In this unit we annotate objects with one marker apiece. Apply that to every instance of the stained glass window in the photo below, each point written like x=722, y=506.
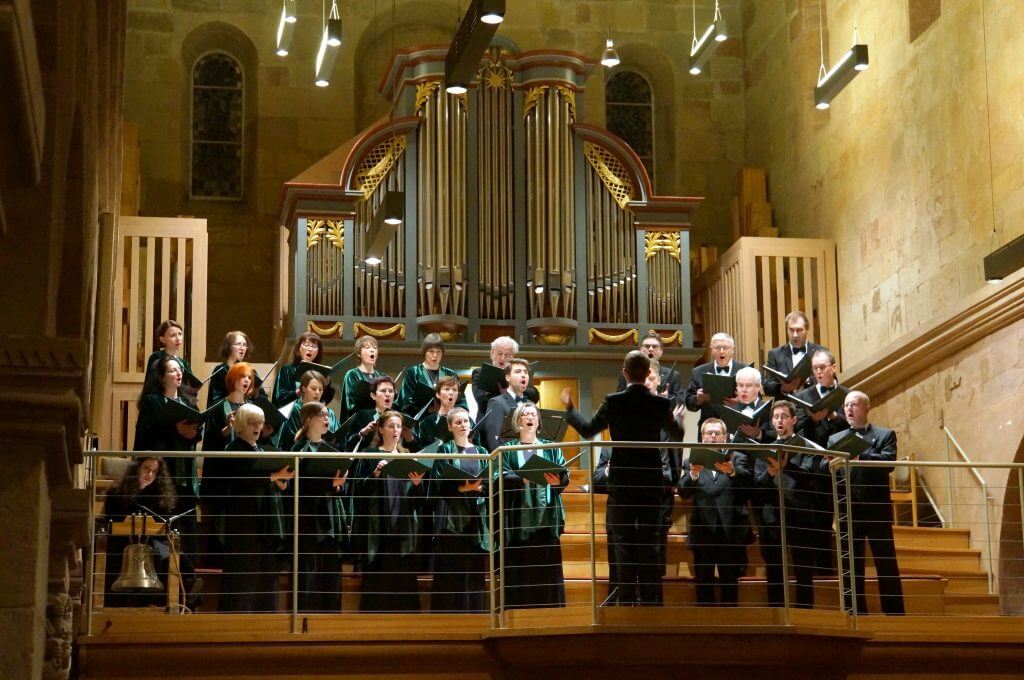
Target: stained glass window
x=629, y=113
x=217, y=125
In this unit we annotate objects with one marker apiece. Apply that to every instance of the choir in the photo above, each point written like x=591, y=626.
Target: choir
x=394, y=518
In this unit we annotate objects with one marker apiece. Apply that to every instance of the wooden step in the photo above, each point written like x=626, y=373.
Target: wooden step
x=931, y=537
x=577, y=513
x=970, y=581
x=922, y=595
x=976, y=604
x=944, y=628
x=938, y=561
x=576, y=548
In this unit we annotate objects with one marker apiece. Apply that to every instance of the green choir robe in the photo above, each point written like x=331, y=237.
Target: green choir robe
x=353, y=397
x=455, y=511
x=417, y=389
x=382, y=507
x=288, y=430
x=324, y=511
x=531, y=508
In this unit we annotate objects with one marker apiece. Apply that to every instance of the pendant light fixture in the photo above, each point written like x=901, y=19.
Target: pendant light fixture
x=286, y=27
x=610, y=58
x=470, y=42
x=330, y=44
x=832, y=81
x=701, y=50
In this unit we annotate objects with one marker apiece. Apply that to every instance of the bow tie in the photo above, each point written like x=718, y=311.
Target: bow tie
x=798, y=350
x=826, y=390
x=722, y=370
x=860, y=430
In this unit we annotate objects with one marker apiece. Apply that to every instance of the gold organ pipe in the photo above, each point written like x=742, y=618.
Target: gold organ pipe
x=486, y=151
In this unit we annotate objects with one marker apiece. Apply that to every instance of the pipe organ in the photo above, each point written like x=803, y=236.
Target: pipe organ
x=520, y=218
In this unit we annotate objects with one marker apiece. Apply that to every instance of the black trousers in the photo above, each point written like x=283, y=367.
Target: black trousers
x=319, y=575
x=798, y=540
x=459, y=569
x=730, y=560
x=614, y=581
x=533, y=572
x=872, y=525
x=634, y=524
x=389, y=582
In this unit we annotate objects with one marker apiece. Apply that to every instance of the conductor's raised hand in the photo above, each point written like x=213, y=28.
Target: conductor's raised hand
x=567, y=397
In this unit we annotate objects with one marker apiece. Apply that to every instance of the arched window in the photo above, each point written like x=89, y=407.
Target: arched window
x=217, y=124
x=629, y=113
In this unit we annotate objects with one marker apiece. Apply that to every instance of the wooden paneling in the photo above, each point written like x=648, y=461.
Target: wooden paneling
x=160, y=273
x=749, y=290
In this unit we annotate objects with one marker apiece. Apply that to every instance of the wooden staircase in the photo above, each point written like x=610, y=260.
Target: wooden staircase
x=941, y=573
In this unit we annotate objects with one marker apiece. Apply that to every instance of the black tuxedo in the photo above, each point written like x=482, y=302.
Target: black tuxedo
x=767, y=429
x=635, y=483
x=872, y=519
x=718, y=530
x=707, y=410
x=671, y=382
x=799, y=479
x=781, y=359
x=670, y=471
x=492, y=421
x=482, y=396
x=819, y=433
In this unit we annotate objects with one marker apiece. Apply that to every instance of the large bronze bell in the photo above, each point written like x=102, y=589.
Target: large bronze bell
x=138, y=569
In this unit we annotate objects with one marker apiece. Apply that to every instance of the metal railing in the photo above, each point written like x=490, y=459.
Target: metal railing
x=984, y=491
x=498, y=514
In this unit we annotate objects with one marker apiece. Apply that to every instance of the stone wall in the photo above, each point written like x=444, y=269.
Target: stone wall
x=911, y=170
x=292, y=124
x=907, y=168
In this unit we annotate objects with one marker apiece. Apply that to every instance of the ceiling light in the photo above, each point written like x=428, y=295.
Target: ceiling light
x=702, y=49
x=385, y=225
x=842, y=72
x=334, y=27
x=1002, y=262
x=285, y=30
x=610, y=58
x=469, y=44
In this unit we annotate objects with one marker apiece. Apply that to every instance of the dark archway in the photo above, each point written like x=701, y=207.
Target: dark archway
x=1011, y=544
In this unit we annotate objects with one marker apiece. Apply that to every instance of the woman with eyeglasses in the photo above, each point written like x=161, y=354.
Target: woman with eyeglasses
x=286, y=386
x=420, y=380
x=323, y=517
x=534, y=519
x=236, y=347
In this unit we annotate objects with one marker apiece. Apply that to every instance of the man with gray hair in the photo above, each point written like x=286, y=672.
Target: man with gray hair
x=871, y=506
x=653, y=346
x=722, y=362
x=503, y=350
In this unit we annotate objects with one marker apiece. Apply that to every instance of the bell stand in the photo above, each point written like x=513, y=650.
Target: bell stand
x=153, y=527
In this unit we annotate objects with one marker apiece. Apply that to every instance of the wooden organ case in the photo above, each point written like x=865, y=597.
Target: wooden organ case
x=519, y=218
